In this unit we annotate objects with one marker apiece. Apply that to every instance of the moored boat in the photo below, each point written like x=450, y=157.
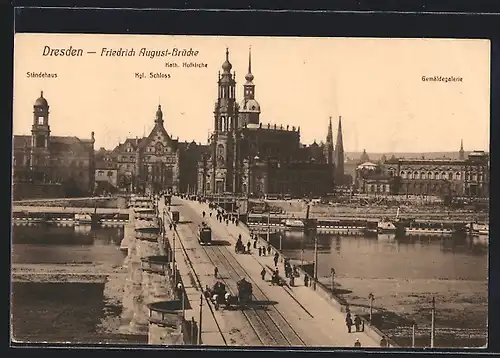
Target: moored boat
x=430, y=228
x=479, y=229
x=294, y=225
x=83, y=219
x=386, y=226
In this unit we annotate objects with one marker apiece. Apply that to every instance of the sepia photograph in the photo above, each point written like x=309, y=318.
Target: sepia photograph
x=248, y=191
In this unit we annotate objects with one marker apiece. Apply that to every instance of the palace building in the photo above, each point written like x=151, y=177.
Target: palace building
x=157, y=162
x=246, y=157
x=457, y=177
x=47, y=165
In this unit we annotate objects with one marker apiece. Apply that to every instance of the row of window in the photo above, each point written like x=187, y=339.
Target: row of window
x=438, y=175
x=377, y=188
x=102, y=172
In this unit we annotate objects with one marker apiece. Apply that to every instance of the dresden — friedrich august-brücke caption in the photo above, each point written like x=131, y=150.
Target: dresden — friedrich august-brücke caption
x=120, y=52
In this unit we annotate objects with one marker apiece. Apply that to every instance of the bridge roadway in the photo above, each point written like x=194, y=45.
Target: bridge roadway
x=280, y=315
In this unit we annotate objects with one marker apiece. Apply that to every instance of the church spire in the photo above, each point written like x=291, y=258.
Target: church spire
x=339, y=156
x=461, y=155
x=249, y=77
x=329, y=144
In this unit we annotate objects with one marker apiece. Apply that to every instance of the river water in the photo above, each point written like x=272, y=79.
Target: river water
x=65, y=312
x=404, y=274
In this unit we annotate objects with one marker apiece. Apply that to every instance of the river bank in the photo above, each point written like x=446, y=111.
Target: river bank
x=104, y=202
x=298, y=208
x=461, y=308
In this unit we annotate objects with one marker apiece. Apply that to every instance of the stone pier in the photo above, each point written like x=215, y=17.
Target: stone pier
x=146, y=239
x=166, y=323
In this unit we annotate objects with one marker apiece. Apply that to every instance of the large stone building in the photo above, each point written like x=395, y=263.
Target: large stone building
x=44, y=161
x=106, y=172
x=463, y=177
x=156, y=162
x=245, y=157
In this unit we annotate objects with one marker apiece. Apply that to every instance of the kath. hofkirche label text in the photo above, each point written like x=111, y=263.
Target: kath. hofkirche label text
x=120, y=52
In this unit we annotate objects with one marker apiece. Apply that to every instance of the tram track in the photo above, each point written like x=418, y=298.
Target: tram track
x=269, y=325
x=196, y=278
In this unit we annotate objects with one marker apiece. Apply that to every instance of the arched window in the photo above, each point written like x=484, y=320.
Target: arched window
x=403, y=175
x=457, y=176
x=220, y=150
x=436, y=175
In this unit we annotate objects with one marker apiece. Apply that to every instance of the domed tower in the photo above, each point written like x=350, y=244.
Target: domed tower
x=249, y=108
x=40, y=133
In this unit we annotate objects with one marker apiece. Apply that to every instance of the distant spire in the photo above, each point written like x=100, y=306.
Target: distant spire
x=339, y=156
x=329, y=149
x=250, y=59
x=41, y=94
x=329, y=136
x=461, y=155
x=340, y=143
x=249, y=77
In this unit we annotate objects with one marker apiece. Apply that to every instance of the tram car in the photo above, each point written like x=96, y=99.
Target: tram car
x=168, y=199
x=205, y=234
x=175, y=217
x=244, y=292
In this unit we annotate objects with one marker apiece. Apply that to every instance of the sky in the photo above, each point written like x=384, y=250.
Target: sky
x=375, y=85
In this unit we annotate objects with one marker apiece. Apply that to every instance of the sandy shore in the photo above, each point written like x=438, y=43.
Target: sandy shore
x=461, y=306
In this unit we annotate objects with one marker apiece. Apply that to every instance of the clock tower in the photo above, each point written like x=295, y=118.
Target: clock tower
x=40, y=133
x=225, y=125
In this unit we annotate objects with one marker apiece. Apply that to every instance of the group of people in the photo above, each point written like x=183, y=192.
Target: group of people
x=350, y=322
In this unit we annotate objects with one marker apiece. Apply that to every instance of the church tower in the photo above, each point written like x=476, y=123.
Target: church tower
x=249, y=107
x=40, y=133
x=329, y=145
x=225, y=123
x=159, y=116
x=339, y=156
x=461, y=154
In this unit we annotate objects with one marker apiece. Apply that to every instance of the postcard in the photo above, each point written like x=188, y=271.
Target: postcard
x=250, y=191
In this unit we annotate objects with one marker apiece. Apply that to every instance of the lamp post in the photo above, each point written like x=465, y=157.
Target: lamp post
x=173, y=258
x=200, y=319
x=315, y=261
x=433, y=319
x=371, y=297
x=332, y=272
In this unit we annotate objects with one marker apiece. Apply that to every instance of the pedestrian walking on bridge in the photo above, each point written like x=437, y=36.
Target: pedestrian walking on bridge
x=357, y=322
x=269, y=249
x=357, y=343
x=276, y=257
x=255, y=243
x=248, y=246
x=216, y=272
x=170, y=226
x=260, y=251
x=263, y=274
x=348, y=322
